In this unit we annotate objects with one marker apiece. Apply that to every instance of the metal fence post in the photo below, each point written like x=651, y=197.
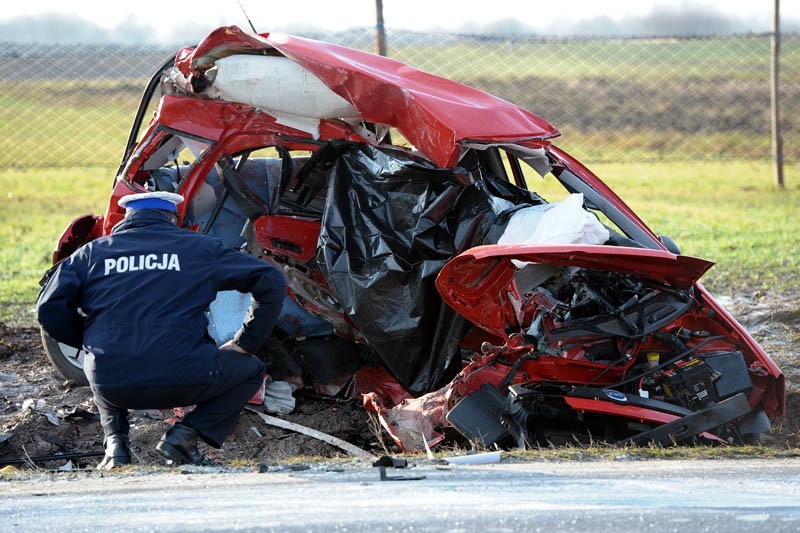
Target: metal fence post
x=777, y=141
x=380, y=30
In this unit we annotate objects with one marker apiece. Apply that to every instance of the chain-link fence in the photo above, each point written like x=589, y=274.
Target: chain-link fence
x=632, y=99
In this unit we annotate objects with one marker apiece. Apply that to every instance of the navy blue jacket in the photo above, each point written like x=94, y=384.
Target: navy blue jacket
x=142, y=293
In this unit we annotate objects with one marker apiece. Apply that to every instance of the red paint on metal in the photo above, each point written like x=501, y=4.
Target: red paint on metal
x=378, y=380
x=479, y=282
x=435, y=114
x=80, y=231
x=610, y=408
x=292, y=237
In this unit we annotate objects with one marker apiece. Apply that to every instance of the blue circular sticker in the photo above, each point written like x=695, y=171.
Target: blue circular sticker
x=616, y=395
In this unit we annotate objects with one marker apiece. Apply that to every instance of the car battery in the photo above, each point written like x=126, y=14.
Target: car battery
x=691, y=382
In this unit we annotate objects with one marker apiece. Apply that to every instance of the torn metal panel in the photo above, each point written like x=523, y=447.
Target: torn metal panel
x=413, y=423
x=433, y=113
x=80, y=231
x=377, y=380
x=480, y=283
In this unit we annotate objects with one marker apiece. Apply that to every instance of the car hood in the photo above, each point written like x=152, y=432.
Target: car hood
x=434, y=114
x=478, y=283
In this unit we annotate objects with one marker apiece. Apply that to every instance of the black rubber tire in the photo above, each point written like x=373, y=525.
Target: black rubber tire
x=67, y=360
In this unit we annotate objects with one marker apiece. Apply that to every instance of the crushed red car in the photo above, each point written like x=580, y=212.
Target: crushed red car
x=425, y=275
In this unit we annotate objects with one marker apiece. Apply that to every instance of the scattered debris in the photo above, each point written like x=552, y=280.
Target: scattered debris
x=475, y=459
x=32, y=404
x=39, y=406
x=153, y=414
x=330, y=439
x=9, y=471
x=82, y=414
x=278, y=398
x=27, y=374
x=387, y=461
x=51, y=417
x=27, y=460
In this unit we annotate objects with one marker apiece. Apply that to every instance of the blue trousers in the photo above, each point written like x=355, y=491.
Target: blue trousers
x=218, y=404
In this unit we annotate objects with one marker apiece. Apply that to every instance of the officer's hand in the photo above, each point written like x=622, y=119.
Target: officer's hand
x=230, y=345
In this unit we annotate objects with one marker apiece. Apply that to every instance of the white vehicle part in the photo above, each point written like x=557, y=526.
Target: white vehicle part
x=278, y=398
x=226, y=314
x=564, y=222
x=166, y=153
x=282, y=88
x=486, y=458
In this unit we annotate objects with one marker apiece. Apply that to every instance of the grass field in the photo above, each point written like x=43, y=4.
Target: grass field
x=46, y=132
x=35, y=207
x=616, y=99
x=617, y=59
x=728, y=212
x=657, y=100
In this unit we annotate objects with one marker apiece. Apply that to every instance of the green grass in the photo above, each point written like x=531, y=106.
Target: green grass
x=35, y=207
x=637, y=99
x=615, y=59
x=727, y=212
x=46, y=133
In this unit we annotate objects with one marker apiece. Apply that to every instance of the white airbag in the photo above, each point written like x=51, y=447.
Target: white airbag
x=282, y=88
x=564, y=222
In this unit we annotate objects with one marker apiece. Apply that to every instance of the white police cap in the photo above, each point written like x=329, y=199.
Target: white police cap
x=168, y=201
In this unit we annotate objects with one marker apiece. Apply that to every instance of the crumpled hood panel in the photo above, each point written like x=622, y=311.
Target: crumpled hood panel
x=435, y=114
x=477, y=283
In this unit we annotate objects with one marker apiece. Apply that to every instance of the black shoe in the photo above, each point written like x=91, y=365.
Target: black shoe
x=179, y=446
x=118, y=452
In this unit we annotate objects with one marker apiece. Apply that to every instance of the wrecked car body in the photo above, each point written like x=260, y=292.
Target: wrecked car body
x=425, y=275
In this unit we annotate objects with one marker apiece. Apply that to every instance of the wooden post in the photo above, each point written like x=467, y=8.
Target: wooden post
x=777, y=140
x=380, y=31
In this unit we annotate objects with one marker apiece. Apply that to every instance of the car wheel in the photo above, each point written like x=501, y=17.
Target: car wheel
x=67, y=360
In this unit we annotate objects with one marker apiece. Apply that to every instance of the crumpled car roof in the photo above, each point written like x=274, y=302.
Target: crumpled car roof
x=435, y=114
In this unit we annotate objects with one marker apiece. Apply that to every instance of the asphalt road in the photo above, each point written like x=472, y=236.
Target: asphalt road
x=711, y=495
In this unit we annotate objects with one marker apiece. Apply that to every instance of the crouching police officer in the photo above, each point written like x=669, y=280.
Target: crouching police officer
x=135, y=300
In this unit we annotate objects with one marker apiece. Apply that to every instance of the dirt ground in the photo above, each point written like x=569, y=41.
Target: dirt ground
x=40, y=415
